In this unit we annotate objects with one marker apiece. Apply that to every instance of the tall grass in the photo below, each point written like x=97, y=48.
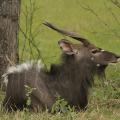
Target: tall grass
x=97, y=24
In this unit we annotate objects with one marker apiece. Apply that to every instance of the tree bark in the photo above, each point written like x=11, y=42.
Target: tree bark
x=9, y=19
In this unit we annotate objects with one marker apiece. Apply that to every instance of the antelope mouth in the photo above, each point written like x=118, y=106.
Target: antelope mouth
x=113, y=63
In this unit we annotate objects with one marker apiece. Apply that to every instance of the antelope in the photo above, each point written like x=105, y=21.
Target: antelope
x=71, y=79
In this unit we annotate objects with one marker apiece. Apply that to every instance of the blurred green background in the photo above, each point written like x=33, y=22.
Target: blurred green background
x=96, y=20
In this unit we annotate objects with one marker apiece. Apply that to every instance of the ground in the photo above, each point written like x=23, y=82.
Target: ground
x=96, y=20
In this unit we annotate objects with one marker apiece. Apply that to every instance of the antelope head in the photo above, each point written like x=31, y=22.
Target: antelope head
x=84, y=48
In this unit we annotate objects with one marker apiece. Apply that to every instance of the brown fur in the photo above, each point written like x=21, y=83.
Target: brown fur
x=65, y=80
x=71, y=79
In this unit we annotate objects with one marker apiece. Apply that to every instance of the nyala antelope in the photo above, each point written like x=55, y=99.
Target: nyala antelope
x=71, y=79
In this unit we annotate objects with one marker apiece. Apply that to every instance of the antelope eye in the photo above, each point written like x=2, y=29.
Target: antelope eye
x=94, y=51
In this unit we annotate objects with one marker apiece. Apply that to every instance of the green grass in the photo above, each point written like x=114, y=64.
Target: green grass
x=104, y=100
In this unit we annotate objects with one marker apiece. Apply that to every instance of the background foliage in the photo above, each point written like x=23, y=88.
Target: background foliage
x=96, y=20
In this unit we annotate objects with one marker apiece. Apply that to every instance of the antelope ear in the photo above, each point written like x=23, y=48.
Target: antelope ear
x=66, y=46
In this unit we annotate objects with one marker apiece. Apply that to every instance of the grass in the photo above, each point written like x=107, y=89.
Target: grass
x=100, y=28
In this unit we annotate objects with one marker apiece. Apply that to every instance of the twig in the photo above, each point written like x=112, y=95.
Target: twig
x=88, y=8
x=112, y=13
x=11, y=62
x=116, y=3
x=35, y=46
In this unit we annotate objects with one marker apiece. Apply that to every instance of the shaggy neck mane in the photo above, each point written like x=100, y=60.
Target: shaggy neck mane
x=72, y=74
x=71, y=80
x=74, y=70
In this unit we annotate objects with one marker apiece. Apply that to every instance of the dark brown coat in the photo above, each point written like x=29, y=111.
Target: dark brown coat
x=71, y=79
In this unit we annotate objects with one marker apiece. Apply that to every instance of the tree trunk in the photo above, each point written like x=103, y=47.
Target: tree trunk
x=9, y=19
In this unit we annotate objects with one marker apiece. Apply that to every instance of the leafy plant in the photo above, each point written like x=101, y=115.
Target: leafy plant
x=29, y=91
x=61, y=106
